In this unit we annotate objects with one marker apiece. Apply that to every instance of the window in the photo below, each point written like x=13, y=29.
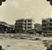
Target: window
x=43, y=21
x=29, y=20
x=43, y=24
x=29, y=23
x=51, y=24
x=50, y=20
x=43, y=28
x=50, y=28
x=29, y=27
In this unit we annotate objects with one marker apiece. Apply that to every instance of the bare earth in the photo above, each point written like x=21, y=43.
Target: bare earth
x=21, y=44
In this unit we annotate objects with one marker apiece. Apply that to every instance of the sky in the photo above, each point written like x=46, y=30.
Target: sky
x=11, y=10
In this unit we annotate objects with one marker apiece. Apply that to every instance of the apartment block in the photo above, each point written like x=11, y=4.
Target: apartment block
x=22, y=25
x=47, y=25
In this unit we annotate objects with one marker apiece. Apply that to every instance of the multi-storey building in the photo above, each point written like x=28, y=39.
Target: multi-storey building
x=47, y=25
x=28, y=24
x=20, y=25
x=23, y=25
x=6, y=28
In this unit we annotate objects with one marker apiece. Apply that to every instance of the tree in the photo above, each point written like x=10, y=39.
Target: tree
x=38, y=28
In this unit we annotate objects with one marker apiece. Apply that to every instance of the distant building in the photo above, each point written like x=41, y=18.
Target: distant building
x=22, y=25
x=6, y=28
x=3, y=27
x=11, y=29
x=28, y=24
x=47, y=25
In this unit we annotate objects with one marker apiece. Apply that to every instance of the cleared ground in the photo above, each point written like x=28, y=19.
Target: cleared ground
x=22, y=42
x=13, y=44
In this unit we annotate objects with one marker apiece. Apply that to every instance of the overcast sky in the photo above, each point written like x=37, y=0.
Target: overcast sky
x=12, y=10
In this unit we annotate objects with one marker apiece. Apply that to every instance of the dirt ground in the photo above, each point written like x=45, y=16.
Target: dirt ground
x=11, y=43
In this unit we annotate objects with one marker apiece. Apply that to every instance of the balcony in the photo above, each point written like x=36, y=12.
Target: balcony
x=49, y=26
x=49, y=22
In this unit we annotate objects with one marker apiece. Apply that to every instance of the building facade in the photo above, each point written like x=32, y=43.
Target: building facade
x=47, y=25
x=6, y=28
x=22, y=25
x=3, y=27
